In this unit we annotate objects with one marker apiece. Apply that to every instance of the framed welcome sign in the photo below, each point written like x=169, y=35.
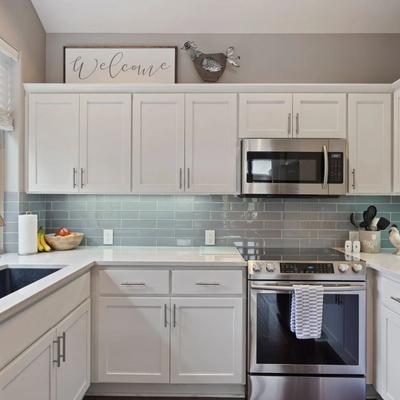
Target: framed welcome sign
x=120, y=64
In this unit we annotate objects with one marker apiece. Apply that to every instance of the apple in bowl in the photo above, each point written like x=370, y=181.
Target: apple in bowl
x=64, y=239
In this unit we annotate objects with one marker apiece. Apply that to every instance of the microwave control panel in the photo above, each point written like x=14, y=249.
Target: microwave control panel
x=336, y=167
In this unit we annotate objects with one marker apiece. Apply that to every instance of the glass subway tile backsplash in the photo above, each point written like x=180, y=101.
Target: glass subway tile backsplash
x=144, y=220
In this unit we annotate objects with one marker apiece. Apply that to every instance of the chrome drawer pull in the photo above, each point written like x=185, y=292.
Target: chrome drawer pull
x=174, y=316
x=63, y=337
x=133, y=284
x=165, y=316
x=289, y=129
x=207, y=283
x=396, y=299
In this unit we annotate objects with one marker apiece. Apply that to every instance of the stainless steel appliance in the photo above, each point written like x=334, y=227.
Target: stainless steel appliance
x=294, y=166
x=282, y=367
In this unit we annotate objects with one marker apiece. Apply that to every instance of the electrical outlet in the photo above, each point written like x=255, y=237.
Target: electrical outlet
x=209, y=237
x=108, y=236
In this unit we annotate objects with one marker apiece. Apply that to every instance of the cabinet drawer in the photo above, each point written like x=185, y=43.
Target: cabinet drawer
x=207, y=282
x=130, y=281
x=389, y=293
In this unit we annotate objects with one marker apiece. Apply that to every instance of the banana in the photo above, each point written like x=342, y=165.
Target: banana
x=39, y=244
x=42, y=244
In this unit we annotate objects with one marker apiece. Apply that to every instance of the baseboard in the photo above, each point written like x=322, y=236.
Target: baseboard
x=166, y=390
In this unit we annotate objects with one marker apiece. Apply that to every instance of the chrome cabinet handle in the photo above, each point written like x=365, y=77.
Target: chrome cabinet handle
x=64, y=346
x=297, y=123
x=132, y=284
x=396, y=299
x=57, y=361
x=74, y=177
x=353, y=172
x=174, y=316
x=326, y=167
x=165, y=315
x=188, y=178
x=327, y=288
x=289, y=124
x=180, y=178
x=207, y=283
x=82, y=184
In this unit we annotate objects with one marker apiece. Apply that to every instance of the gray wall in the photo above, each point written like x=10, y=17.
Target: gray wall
x=313, y=58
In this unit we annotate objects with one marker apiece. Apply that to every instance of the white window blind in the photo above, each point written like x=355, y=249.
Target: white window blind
x=6, y=120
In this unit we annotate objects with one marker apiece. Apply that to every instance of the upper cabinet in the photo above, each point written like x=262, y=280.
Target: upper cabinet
x=369, y=135
x=211, y=143
x=105, y=143
x=396, y=142
x=319, y=115
x=184, y=143
x=298, y=115
x=158, y=143
x=53, y=143
x=79, y=143
x=265, y=115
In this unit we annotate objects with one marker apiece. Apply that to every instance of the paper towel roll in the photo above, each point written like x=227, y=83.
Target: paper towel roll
x=27, y=234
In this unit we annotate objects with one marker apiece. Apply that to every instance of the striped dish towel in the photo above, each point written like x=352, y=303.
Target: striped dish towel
x=306, y=311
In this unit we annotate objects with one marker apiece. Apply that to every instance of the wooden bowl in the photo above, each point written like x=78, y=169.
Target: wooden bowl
x=69, y=242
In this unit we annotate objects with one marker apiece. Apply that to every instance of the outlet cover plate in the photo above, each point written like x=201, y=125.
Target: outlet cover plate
x=108, y=236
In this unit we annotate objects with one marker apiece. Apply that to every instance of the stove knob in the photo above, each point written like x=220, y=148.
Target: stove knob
x=256, y=267
x=270, y=267
x=343, y=267
x=357, y=267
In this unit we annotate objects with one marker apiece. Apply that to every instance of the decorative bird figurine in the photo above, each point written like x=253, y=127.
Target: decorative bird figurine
x=210, y=67
x=394, y=238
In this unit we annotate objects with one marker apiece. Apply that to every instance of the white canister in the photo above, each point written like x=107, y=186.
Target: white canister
x=370, y=241
x=27, y=234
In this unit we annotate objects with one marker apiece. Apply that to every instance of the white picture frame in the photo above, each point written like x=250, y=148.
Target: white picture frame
x=120, y=64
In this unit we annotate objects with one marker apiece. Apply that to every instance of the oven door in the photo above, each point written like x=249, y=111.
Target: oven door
x=273, y=348
x=292, y=167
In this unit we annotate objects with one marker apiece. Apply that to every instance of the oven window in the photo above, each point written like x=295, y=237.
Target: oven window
x=339, y=342
x=285, y=167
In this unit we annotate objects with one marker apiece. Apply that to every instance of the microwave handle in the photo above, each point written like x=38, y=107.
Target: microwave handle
x=326, y=167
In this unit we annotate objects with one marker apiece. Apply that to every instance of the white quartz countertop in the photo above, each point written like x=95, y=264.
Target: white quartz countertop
x=385, y=262
x=74, y=263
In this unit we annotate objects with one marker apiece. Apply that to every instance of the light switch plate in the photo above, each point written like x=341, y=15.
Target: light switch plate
x=108, y=236
x=209, y=237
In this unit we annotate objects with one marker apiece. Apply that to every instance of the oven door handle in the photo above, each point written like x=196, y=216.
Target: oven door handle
x=326, y=167
x=327, y=288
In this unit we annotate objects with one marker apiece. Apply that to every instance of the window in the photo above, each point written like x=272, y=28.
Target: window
x=6, y=61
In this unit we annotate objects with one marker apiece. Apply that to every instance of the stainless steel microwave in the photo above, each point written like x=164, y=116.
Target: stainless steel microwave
x=294, y=167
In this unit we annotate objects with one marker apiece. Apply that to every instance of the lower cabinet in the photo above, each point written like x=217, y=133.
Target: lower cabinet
x=133, y=339
x=206, y=340
x=56, y=367
x=388, y=354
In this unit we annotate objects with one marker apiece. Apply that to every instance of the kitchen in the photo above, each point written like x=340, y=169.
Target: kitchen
x=225, y=227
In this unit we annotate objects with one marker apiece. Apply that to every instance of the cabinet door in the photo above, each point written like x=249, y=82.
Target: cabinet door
x=53, y=143
x=319, y=115
x=73, y=375
x=211, y=143
x=265, y=115
x=207, y=340
x=389, y=354
x=133, y=339
x=158, y=143
x=105, y=145
x=31, y=376
x=370, y=160
x=396, y=142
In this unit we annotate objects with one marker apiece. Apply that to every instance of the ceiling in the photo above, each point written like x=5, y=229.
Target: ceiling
x=219, y=16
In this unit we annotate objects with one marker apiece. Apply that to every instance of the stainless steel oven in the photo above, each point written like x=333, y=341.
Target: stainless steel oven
x=294, y=166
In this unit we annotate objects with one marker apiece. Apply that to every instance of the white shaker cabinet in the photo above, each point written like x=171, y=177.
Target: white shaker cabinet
x=55, y=367
x=211, y=143
x=158, y=143
x=319, y=115
x=133, y=339
x=207, y=340
x=105, y=143
x=31, y=376
x=265, y=115
x=53, y=143
x=369, y=138
x=396, y=142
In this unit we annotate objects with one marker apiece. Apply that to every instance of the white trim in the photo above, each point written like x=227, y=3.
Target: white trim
x=206, y=88
x=8, y=50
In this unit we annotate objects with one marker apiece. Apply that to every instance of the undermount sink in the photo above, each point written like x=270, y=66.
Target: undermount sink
x=13, y=279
